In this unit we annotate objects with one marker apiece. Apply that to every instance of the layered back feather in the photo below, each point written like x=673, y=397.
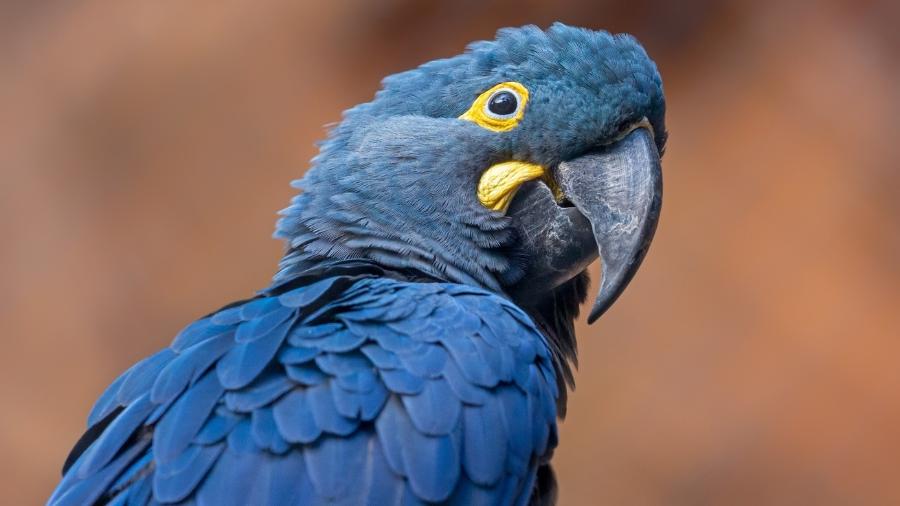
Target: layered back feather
x=346, y=388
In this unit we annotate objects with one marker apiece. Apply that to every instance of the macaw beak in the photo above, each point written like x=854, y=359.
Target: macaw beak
x=615, y=194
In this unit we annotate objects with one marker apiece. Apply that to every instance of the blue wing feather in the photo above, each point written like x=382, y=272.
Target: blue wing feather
x=359, y=395
x=342, y=364
x=187, y=367
x=305, y=373
x=139, y=494
x=135, y=470
x=297, y=354
x=240, y=439
x=293, y=420
x=325, y=413
x=258, y=328
x=300, y=335
x=401, y=381
x=229, y=316
x=380, y=484
x=264, y=389
x=433, y=464
x=231, y=480
x=175, y=480
x=141, y=377
x=216, y=427
x=380, y=357
x=540, y=431
x=178, y=427
x=114, y=437
x=426, y=361
x=467, y=359
x=107, y=402
x=472, y=494
x=465, y=390
x=87, y=491
x=276, y=482
x=255, y=308
x=306, y=296
x=334, y=464
x=200, y=330
x=513, y=406
x=435, y=410
x=390, y=427
x=265, y=432
x=240, y=365
x=484, y=443
x=373, y=391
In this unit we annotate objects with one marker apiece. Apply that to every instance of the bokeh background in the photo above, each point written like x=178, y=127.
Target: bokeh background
x=146, y=146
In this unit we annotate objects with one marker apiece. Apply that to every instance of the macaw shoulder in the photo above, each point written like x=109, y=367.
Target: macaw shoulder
x=451, y=387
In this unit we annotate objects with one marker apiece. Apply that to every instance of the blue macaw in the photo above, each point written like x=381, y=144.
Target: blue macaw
x=415, y=345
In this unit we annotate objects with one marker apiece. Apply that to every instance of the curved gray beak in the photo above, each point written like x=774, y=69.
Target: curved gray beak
x=616, y=192
x=619, y=190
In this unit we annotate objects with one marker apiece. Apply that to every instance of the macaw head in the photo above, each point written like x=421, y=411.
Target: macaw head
x=510, y=167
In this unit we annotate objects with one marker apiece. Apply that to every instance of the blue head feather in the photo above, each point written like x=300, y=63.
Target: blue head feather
x=395, y=182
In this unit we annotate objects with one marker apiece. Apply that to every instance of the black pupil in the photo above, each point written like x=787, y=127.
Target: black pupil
x=503, y=103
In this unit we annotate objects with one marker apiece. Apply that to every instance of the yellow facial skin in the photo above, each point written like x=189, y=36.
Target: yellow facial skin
x=499, y=183
x=478, y=115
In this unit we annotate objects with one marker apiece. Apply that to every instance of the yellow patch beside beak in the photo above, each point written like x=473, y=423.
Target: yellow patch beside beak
x=499, y=183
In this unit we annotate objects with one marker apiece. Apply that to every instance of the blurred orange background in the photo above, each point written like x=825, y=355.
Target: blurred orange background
x=146, y=146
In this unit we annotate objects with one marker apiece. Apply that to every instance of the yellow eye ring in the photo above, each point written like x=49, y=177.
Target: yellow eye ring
x=500, y=108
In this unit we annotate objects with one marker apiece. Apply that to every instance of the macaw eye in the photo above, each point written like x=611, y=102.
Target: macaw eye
x=503, y=103
x=500, y=108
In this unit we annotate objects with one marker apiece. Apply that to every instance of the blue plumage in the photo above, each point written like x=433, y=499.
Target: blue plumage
x=184, y=420
x=101, y=452
x=485, y=443
x=141, y=376
x=174, y=481
x=77, y=492
x=265, y=432
x=187, y=367
x=262, y=392
x=431, y=424
x=217, y=427
x=390, y=362
x=297, y=355
x=401, y=381
x=434, y=411
x=246, y=360
x=293, y=418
